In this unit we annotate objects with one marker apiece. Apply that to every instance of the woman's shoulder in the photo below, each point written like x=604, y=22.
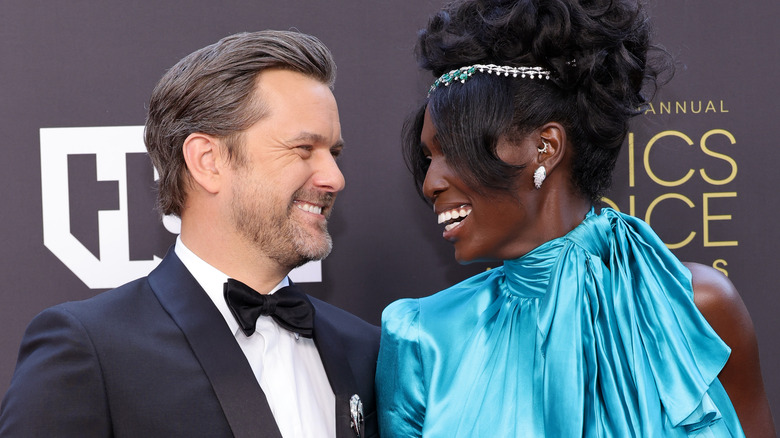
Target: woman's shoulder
x=711, y=287
x=407, y=310
x=721, y=305
x=401, y=312
x=718, y=300
x=456, y=301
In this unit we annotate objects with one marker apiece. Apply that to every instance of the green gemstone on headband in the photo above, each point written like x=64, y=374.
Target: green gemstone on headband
x=462, y=74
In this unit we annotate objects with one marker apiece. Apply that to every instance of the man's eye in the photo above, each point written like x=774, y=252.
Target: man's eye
x=304, y=151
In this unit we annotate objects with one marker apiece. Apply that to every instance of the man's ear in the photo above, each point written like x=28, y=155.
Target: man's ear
x=202, y=156
x=552, y=145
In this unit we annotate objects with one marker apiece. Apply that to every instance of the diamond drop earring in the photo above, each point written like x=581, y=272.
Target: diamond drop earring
x=539, y=175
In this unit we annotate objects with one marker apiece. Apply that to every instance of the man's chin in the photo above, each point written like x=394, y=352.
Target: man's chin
x=314, y=256
x=307, y=252
x=303, y=259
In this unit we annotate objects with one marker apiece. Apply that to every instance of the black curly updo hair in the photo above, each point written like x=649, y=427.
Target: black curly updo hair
x=597, y=53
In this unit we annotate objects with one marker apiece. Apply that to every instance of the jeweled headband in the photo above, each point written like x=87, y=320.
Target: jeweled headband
x=463, y=73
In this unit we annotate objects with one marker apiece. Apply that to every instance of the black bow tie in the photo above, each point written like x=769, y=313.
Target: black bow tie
x=288, y=306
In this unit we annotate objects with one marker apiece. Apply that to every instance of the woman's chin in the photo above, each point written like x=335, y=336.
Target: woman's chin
x=467, y=258
x=461, y=260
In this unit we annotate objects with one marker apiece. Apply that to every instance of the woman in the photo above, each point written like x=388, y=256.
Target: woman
x=591, y=327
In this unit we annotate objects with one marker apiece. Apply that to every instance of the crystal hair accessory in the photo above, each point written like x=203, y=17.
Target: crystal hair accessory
x=462, y=74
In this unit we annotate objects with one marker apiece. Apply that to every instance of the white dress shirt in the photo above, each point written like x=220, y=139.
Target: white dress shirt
x=287, y=366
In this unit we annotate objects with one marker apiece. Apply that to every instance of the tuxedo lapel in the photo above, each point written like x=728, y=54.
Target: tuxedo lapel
x=340, y=375
x=243, y=402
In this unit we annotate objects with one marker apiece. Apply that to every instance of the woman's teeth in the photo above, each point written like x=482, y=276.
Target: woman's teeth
x=452, y=218
x=451, y=226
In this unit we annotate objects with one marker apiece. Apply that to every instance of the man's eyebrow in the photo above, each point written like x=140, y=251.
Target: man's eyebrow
x=313, y=137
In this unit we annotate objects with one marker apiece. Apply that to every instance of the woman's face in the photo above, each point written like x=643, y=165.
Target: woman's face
x=493, y=225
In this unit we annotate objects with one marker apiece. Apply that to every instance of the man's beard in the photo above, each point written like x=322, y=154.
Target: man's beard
x=275, y=232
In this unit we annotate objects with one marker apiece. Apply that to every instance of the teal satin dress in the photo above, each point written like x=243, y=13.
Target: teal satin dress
x=593, y=334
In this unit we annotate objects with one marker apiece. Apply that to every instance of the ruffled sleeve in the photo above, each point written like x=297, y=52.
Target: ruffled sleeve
x=645, y=343
x=684, y=352
x=399, y=377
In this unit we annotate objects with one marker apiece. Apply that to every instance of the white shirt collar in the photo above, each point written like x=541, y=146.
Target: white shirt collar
x=212, y=280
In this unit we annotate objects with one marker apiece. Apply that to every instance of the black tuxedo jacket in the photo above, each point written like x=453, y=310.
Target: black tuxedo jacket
x=155, y=358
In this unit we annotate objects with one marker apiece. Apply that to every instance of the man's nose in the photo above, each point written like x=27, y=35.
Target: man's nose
x=327, y=175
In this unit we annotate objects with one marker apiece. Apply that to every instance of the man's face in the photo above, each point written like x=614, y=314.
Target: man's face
x=285, y=179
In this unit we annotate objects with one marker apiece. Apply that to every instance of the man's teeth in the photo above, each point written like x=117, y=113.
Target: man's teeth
x=455, y=213
x=305, y=206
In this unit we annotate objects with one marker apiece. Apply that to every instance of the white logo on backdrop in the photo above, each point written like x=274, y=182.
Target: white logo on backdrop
x=110, y=146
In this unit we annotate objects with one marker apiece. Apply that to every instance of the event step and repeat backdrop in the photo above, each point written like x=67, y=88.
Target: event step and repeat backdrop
x=77, y=191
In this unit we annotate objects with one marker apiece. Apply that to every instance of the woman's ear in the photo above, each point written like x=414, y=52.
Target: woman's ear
x=202, y=154
x=550, y=142
x=552, y=145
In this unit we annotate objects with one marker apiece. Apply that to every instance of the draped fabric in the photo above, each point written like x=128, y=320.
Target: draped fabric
x=592, y=334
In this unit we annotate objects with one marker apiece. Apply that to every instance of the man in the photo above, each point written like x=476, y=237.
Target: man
x=244, y=135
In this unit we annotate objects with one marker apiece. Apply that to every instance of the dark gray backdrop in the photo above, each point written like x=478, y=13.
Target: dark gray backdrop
x=94, y=64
